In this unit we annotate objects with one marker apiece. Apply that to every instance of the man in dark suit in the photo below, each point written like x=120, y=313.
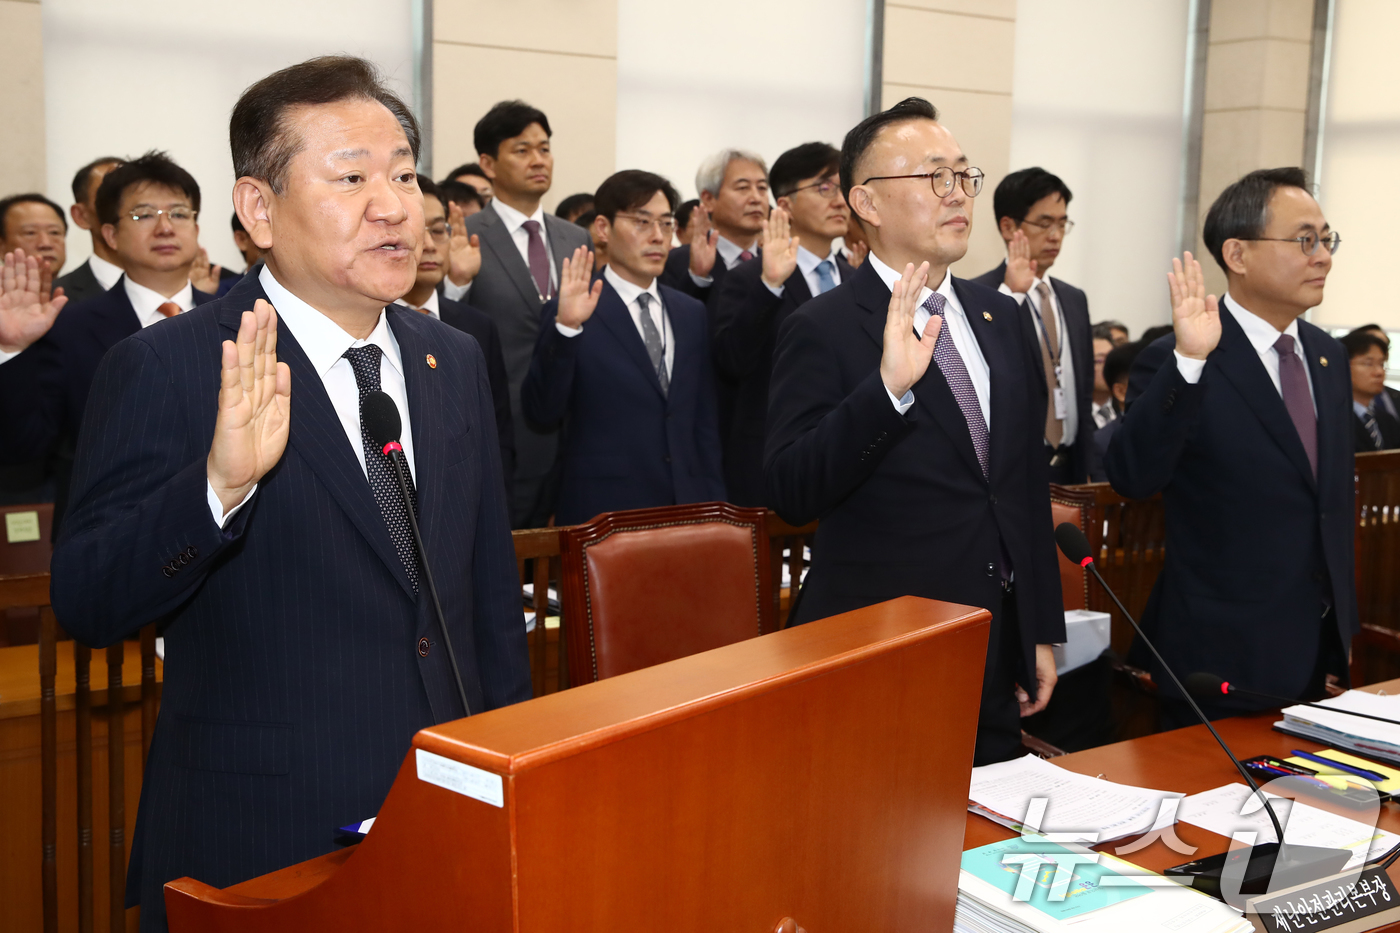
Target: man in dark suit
x=724, y=227
x=148, y=208
x=102, y=269
x=625, y=365
x=265, y=536
x=424, y=297
x=1373, y=426
x=506, y=260
x=797, y=262
x=1389, y=399
x=1241, y=419
x=1031, y=208
x=905, y=418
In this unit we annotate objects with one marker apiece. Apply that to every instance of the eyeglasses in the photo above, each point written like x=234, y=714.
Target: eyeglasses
x=943, y=180
x=824, y=188
x=1309, y=242
x=667, y=225
x=1365, y=363
x=179, y=216
x=1064, y=224
x=441, y=230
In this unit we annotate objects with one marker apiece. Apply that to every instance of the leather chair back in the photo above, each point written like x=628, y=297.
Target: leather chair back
x=1073, y=505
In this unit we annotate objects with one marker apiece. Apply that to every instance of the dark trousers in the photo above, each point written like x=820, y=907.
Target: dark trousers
x=1062, y=466
x=999, y=722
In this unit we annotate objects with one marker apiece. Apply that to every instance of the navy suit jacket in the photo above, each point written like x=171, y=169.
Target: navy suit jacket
x=903, y=505
x=299, y=662
x=80, y=284
x=627, y=446
x=1079, y=341
x=45, y=388
x=747, y=317
x=1255, y=546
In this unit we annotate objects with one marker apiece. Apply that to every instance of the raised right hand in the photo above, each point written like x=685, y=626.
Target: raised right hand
x=463, y=249
x=1195, y=315
x=1020, y=267
x=907, y=355
x=779, y=249
x=703, y=241
x=576, y=300
x=28, y=302
x=255, y=398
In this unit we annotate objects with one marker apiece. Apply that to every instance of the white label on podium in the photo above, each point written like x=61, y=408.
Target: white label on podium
x=461, y=778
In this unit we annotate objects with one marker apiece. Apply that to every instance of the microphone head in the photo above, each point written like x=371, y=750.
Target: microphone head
x=380, y=417
x=1073, y=544
x=1202, y=685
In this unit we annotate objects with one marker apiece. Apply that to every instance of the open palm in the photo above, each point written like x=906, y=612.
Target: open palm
x=28, y=303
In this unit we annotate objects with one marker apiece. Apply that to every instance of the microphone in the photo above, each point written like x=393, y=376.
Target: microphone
x=380, y=417
x=1204, y=685
x=1285, y=865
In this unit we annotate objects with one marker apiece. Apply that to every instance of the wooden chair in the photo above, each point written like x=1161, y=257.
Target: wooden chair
x=651, y=585
x=792, y=541
x=1376, y=650
x=537, y=557
x=20, y=625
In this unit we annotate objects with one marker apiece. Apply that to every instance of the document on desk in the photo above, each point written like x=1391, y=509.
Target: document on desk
x=1219, y=811
x=1032, y=794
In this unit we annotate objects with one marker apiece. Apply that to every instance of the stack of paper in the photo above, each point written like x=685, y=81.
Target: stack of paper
x=1032, y=794
x=1029, y=885
x=1380, y=740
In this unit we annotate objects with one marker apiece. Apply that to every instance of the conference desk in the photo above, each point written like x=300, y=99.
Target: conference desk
x=1190, y=761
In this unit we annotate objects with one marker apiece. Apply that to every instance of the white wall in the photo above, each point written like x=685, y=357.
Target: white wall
x=1097, y=99
x=122, y=78
x=761, y=76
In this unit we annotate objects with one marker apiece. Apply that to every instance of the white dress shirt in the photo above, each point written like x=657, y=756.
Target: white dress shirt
x=727, y=252
x=629, y=294
x=429, y=307
x=105, y=272
x=1067, y=383
x=145, y=301
x=324, y=344
x=515, y=225
x=955, y=320
x=807, y=262
x=1262, y=336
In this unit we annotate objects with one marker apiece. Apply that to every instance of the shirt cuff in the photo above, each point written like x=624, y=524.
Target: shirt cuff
x=1190, y=369
x=7, y=355
x=777, y=292
x=566, y=330
x=454, y=292
x=704, y=281
x=901, y=405
x=216, y=508
x=1006, y=290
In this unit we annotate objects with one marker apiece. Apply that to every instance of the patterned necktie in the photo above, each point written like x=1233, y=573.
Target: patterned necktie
x=539, y=259
x=825, y=280
x=1293, y=380
x=1373, y=428
x=1054, y=427
x=365, y=361
x=656, y=349
x=168, y=309
x=950, y=363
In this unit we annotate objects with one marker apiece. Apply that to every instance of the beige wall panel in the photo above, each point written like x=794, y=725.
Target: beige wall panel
x=990, y=9
x=578, y=95
x=22, y=165
x=918, y=50
x=1251, y=19
x=1258, y=73
x=588, y=26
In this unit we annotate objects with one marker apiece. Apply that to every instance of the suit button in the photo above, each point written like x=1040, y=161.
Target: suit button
x=992, y=500
x=422, y=647
x=991, y=569
x=183, y=559
x=168, y=571
x=192, y=551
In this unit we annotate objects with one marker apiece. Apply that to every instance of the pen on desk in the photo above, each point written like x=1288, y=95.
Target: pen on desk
x=1340, y=766
x=1270, y=769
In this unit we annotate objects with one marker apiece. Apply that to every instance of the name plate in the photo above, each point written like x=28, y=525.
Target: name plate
x=1342, y=903
x=21, y=527
x=461, y=778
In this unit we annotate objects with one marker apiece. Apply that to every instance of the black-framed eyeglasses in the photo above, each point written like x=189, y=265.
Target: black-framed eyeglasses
x=1308, y=242
x=825, y=188
x=666, y=224
x=1064, y=224
x=943, y=180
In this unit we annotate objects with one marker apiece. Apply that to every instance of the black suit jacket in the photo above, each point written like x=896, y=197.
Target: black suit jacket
x=903, y=504
x=299, y=660
x=1255, y=546
x=80, y=284
x=627, y=446
x=747, y=317
x=1079, y=340
x=45, y=388
x=1390, y=432
x=478, y=323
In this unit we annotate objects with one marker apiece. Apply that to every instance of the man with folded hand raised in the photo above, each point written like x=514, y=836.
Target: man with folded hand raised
x=252, y=518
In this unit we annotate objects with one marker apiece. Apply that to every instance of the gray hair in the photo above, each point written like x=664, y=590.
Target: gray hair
x=710, y=176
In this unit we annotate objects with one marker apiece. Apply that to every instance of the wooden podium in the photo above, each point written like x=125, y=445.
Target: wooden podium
x=817, y=775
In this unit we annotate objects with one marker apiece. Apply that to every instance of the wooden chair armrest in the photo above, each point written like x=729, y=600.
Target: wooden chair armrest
x=1039, y=748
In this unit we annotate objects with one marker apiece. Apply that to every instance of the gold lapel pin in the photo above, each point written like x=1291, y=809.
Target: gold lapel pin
x=432, y=361
x=987, y=315
x=1322, y=360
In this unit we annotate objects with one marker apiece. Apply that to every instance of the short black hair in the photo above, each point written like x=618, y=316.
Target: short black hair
x=1242, y=210
x=863, y=134
x=1359, y=343
x=573, y=203
x=259, y=133
x=458, y=192
x=809, y=160
x=504, y=121
x=84, y=176
x=585, y=220
x=238, y=224
x=32, y=197
x=430, y=188
x=684, y=211
x=1119, y=362
x=1153, y=334
x=466, y=168
x=1103, y=330
x=1365, y=328
x=631, y=189
x=1019, y=191
x=154, y=168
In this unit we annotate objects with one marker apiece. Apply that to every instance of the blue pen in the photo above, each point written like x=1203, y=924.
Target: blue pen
x=1340, y=766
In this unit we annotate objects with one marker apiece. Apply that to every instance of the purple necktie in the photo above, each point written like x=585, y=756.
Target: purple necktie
x=539, y=259
x=745, y=255
x=1296, y=397
x=950, y=363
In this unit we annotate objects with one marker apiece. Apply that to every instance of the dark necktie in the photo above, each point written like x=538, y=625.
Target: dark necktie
x=539, y=259
x=745, y=255
x=1293, y=380
x=1054, y=427
x=950, y=363
x=365, y=361
x=1374, y=429
x=656, y=347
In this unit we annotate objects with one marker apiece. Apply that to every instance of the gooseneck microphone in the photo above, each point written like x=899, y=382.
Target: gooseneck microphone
x=1285, y=864
x=1204, y=685
x=380, y=417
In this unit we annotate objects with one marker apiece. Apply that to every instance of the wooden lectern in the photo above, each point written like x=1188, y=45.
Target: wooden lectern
x=818, y=775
